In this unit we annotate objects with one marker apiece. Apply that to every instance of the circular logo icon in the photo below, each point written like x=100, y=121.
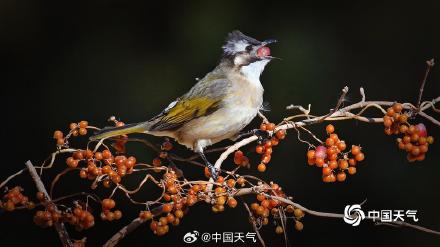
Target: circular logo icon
x=353, y=214
x=190, y=237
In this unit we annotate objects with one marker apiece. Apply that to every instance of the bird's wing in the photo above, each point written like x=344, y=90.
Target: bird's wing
x=203, y=99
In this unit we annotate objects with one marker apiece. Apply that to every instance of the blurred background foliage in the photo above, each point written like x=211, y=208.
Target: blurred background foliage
x=67, y=61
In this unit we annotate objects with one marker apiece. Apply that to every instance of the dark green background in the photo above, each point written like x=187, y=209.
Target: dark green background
x=78, y=60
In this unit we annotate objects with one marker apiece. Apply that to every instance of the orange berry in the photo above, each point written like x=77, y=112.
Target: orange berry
x=387, y=122
x=299, y=225
x=82, y=131
x=40, y=196
x=71, y=162
x=60, y=141
x=403, y=118
x=423, y=148
x=266, y=158
x=98, y=155
x=355, y=149
x=232, y=203
x=261, y=167
x=57, y=134
x=319, y=162
x=117, y=214
x=263, y=127
x=145, y=215
x=106, y=154
x=390, y=112
x=279, y=230
x=415, y=151
x=116, y=179
x=238, y=154
x=78, y=155
x=411, y=129
x=352, y=170
x=333, y=164
x=311, y=154
x=341, y=145
x=352, y=162
x=360, y=156
x=334, y=137
x=108, y=203
x=414, y=137
x=326, y=171
x=270, y=126
x=274, y=141
x=280, y=134
x=403, y=128
x=397, y=107
x=406, y=139
x=330, y=129
x=329, y=142
x=83, y=124
x=268, y=150
x=430, y=139
x=166, y=208
x=261, y=197
x=73, y=126
x=259, y=149
x=83, y=174
x=343, y=164
x=341, y=176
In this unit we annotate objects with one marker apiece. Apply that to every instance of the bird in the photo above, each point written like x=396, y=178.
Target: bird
x=218, y=107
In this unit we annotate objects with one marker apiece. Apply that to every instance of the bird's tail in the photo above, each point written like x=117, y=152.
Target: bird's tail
x=117, y=131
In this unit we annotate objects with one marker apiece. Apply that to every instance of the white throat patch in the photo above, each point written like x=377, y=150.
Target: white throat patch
x=253, y=71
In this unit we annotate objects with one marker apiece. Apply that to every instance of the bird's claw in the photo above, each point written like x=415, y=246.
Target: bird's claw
x=262, y=135
x=213, y=171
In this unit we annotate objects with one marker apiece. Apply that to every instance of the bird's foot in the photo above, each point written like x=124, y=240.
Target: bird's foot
x=261, y=134
x=213, y=171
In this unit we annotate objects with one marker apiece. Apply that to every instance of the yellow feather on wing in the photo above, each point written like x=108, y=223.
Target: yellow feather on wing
x=185, y=110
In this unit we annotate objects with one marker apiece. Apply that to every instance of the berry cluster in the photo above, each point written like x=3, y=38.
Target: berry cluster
x=265, y=147
x=102, y=164
x=176, y=204
x=415, y=139
x=75, y=130
x=330, y=156
x=80, y=218
x=222, y=196
x=13, y=198
x=107, y=214
x=240, y=159
x=265, y=207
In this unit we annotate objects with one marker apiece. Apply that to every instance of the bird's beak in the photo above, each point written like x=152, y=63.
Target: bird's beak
x=267, y=42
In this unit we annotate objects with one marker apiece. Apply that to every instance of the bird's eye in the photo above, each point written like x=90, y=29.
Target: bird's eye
x=249, y=48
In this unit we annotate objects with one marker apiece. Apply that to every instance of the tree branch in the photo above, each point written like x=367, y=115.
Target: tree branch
x=59, y=226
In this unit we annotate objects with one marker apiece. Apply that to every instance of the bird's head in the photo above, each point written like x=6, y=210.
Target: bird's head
x=243, y=50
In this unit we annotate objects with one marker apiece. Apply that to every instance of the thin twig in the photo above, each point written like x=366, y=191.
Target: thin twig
x=430, y=64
